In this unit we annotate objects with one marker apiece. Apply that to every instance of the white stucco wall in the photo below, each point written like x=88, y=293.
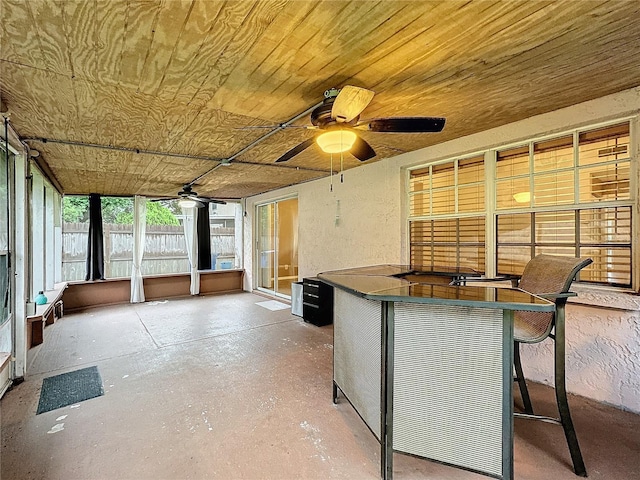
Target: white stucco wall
x=351, y=226
x=369, y=227
x=603, y=355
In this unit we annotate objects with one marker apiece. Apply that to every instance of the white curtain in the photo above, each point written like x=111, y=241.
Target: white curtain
x=190, y=225
x=139, y=231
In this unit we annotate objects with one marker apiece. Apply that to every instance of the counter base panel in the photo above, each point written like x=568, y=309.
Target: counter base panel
x=448, y=385
x=357, y=354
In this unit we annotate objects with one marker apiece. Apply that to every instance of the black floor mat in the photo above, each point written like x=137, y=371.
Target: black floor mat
x=69, y=388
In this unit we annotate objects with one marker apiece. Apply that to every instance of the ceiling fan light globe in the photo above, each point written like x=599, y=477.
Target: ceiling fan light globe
x=187, y=203
x=336, y=141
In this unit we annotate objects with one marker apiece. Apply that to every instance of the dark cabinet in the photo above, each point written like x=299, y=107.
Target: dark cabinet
x=317, y=302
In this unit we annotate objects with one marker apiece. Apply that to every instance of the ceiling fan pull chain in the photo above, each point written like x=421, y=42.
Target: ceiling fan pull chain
x=341, y=169
x=331, y=157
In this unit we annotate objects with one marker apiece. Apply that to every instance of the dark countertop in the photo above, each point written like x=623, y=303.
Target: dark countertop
x=402, y=283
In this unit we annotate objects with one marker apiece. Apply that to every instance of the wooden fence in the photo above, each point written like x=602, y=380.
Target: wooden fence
x=165, y=250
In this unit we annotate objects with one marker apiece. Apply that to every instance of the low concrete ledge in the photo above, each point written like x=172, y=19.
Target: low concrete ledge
x=116, y=291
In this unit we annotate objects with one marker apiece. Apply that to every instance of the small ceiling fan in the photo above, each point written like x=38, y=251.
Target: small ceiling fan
x=189, y=199
x=339, y=118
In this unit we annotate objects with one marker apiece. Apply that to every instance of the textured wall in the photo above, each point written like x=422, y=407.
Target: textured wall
x=603, y=356
x=368, y=226
x=358, y=223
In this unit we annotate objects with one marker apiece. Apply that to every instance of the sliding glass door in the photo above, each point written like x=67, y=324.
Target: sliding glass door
x=277, y=246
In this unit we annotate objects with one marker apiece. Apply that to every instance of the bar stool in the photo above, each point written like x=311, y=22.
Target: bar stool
x=550, y=277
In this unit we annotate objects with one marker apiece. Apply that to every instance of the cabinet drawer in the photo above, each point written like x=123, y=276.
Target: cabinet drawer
x=317, y=302
x=316, y=315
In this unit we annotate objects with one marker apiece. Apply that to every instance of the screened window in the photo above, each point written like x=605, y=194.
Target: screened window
x=604, y=164
x=225, y=244
x=165, y=249
x=75, y=231
x=600, y=233
x=513, y=188
x=448, y=188
x=117, y=228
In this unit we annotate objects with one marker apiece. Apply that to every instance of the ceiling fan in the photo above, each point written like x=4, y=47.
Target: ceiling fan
x=189, y=199
x=339, y=118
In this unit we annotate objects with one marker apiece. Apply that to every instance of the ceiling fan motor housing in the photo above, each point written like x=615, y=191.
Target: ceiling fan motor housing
x=187, y=191
x=321, y=116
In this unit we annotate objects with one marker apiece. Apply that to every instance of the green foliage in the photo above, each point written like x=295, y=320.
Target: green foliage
x=75, y=209
x=117, y=210
x=157, y=214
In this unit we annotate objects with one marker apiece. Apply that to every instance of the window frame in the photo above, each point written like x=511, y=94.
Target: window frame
x=491, y=211
x=456, y=214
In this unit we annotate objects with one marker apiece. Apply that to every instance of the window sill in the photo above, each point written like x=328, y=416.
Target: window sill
x=605, y=297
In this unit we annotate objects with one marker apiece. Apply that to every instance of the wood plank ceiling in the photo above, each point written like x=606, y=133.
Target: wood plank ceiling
x=184, y=77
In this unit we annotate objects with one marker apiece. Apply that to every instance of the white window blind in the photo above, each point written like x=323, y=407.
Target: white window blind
x=449, y=189
x=567, y=195
x=540, y=178
x=449, y=242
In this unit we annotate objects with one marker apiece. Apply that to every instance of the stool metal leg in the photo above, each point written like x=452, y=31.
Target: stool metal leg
x=522, y=384
x=561, y=395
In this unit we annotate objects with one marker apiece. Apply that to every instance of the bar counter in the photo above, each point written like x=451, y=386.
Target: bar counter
x=428, y=365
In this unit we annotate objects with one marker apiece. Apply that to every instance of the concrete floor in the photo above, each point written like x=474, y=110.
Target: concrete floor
x=221, y=388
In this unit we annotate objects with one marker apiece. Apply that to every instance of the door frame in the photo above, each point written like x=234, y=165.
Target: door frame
x=255, y=247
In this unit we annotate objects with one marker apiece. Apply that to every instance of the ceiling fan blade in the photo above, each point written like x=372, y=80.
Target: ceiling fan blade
x=270, y=127
x=362, y=150
x=404, y=124
x=350, y=103
x=202, y=201
x=212, y=200
x=296, y=150
x=199, y=201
